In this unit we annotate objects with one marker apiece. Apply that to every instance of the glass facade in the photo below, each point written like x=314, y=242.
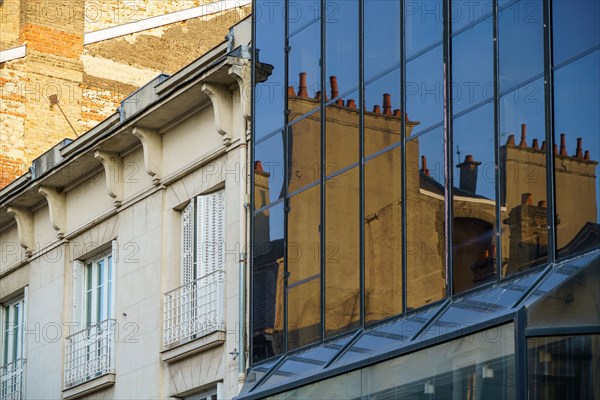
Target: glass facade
x=414, y=152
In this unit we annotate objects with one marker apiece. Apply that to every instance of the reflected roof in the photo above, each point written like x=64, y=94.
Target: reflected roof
x=457, y=316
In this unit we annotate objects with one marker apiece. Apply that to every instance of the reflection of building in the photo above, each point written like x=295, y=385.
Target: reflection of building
x=388, y=265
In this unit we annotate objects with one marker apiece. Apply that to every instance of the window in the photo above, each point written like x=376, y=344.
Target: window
x=195, y=309
x=12, y=351
x=89, y=351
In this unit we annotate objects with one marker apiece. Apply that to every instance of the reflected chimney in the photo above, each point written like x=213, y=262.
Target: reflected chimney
x=579, y=151
x=350, y=103
x=523, y=142
x=387, y=104
x=377, y=109
x=334, y=87
x=468, y=174
x=563, y=145
x=424, y=169
x=291, y=91
x=535, y=145
x=302, y=88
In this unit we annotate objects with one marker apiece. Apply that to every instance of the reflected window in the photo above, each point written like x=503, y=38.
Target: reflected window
x=267, y=280
x=268, y=171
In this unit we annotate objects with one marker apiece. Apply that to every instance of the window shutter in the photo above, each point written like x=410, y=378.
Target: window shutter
x=211, y=233
x=78, y=294
x=187, y=244
x=113, y=280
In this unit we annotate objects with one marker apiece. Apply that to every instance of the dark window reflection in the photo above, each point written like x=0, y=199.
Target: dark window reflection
x=564, y=367
x=304, y=298
x=425, y=242
x=523, y=178
x=342, y=42
x=341, y=132
x=383, y=117
x=268, y=171
x=342, y=252
x=382, y=37
x=303, y=68
x=267, y=279
x=304, y=150
x=521, y=43
x=383, y=236
x=577, y=127
x=472, y=67
x=424, y=24
x=270, y=69
x=575, y=27
x=425, y=89
x=474, y=199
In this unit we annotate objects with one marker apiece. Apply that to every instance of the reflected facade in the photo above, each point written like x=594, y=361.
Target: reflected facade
x=424, y=150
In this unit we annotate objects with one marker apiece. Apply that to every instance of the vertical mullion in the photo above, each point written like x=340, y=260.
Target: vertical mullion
x=286, y=200
x=251, y=177
x=323, y=161
x=497, y=188
x=549, y=121
x=403, y=157
x=447, y=50
x=361, y=145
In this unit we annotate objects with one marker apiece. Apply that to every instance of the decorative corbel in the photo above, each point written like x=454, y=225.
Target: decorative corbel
x=152, y=145
x=57, y=209
x=241, y=74
x=24, y=219
x=113, y=170
x=220, y=96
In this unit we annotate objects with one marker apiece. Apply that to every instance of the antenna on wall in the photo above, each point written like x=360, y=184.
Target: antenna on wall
x=54, y=101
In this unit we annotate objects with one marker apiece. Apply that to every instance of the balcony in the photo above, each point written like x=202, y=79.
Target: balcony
x=194, y=310
x=11, y=380
x=89, y=353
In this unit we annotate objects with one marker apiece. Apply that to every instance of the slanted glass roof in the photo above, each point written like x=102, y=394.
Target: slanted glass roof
x=476, y=310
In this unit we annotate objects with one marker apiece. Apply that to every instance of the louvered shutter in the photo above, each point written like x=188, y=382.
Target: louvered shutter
x=187, y=244
x=78, y=295
x=210, y=240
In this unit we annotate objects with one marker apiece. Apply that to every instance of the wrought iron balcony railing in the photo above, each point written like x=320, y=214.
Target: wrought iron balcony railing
x=90, y=353
x=194, y=309
x=11, y=380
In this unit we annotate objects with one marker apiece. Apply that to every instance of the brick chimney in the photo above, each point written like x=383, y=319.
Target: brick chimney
x=468, y=174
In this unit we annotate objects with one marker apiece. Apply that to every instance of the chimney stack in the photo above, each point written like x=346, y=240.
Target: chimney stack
x=424, y=169
x=387, y=104
x=377, y=109
x=563, y=145
x=535, y=145
x=511, y=140
x=334, y=87
x=291, y=91
x=468, y=174
x=579, y=151
x=350, y=103
x=523, y=142
x=586, y=156
x=302, y=88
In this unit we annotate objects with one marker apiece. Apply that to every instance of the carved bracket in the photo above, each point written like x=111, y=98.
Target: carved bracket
x=152, y=145
x=220, y=96
x=241, y=73
x=113, y=170
x=24, y=219
x=57, y=209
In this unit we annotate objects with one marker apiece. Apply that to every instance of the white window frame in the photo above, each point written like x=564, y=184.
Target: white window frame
x=98, y=289
x=13, y=345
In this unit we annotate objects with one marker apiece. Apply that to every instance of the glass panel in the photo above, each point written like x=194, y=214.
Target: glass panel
x=521, y=43
x=381, y=37
x=472, y=67
x=303, y=242
x=466, y=12
x=383, y=116
x=575, y=27
x=425, y=242
x=574, y=303
x=342, y=43
x=304, y=313
x=304, y=70
x=304, y=152
x=302, y=13
x=576, y=105
x=270, y=69
x=474, y=200
x=267, y=280
x=383, y=236
x=5, y=335
x=523, y=179
x=110, y=288
x=342, y=134
x=15, y=333
x=564, y=367
x=425, y=90
x=342, y=252
x=89, y=300
x=268, y=171
x=101, y=299
x=424, y=25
